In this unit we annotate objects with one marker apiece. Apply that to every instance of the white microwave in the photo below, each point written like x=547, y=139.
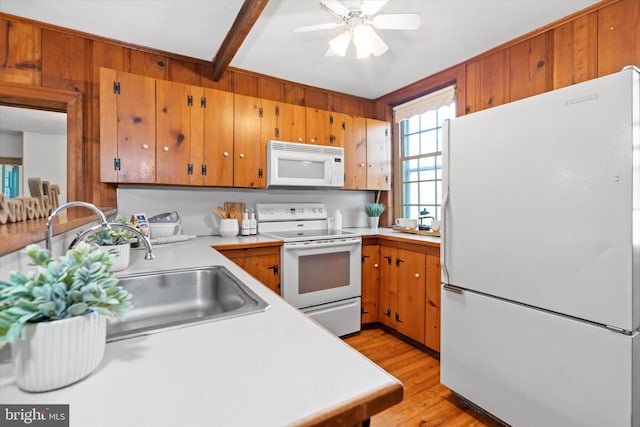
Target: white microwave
x=304, y=165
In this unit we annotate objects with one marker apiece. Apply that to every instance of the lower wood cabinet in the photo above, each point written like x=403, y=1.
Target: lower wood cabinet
x=370, y=283
x=263, y=263
x=403, y=282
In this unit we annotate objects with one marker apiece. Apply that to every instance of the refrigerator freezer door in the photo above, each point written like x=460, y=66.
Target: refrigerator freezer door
x=531, y=368
x=542, y=201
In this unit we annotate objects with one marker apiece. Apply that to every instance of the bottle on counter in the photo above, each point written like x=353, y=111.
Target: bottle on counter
x=253, y=224
x=245, y=229
x=337, y=220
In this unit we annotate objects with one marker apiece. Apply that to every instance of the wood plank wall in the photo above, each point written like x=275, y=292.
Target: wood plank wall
x=596, y=41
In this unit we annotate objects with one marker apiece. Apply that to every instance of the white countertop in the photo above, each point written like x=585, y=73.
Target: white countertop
x=273, y=368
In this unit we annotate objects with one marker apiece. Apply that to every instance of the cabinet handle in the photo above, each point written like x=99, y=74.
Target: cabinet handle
x=398, y=318
x=299, y=139
x=361, y=165
x=145, y=146
x=313, y=140
x=417, y=275
x=242, y=155
x=375, y=265
x=165, y=148
x=226, y=154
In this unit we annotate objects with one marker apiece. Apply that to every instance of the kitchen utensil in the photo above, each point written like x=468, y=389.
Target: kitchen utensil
x=218, y=213
x=235, y=210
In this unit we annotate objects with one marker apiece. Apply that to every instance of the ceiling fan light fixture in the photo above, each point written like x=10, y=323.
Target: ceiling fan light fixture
x=340, y=43
x=368, y=42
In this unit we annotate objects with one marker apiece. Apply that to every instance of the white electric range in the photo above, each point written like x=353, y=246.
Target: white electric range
x=320, y=268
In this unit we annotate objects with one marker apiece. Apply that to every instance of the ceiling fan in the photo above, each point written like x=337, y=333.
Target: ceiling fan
x=360, y=19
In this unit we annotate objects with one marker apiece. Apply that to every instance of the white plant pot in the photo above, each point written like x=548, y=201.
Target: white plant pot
x=50, y=355
x=373, y=222
x=122, y=256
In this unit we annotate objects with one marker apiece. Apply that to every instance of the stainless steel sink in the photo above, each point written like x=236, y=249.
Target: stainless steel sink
x=170, y=299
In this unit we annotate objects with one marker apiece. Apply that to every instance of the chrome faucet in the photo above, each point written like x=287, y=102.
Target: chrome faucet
x=141, y=237
x=103, y=219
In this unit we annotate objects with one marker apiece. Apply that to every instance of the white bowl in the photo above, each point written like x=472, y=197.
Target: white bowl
x=163, y=229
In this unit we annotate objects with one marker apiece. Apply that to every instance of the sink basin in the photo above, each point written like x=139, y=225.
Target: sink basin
x=170, y=299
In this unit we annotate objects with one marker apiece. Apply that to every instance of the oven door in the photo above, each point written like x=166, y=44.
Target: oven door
x=320, y=271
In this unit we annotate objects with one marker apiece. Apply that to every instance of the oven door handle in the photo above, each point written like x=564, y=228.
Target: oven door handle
x=314, y=245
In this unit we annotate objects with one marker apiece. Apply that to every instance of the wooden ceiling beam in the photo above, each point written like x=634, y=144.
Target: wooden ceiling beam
x=247, y=17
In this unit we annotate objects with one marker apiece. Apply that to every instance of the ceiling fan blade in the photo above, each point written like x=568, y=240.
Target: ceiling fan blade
x=336, y=7
x=378, y=46
x=397, y=21
x=371, y=7
x=327, y=26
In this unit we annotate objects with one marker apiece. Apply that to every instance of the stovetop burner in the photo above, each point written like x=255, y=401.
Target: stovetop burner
x=291, y=235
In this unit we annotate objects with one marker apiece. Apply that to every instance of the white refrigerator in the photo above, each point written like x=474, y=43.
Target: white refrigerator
x=540, y=256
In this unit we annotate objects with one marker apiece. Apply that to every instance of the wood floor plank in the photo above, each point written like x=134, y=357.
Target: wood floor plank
x=426, y=403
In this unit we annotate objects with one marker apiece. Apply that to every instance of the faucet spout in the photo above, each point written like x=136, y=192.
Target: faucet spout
x=54, y=214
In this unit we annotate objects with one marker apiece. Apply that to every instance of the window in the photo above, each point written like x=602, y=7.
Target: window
x=420, y=152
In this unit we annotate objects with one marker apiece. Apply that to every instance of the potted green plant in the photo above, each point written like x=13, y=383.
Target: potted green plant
x=374, y=210
x=55, y=315
x=116, y=240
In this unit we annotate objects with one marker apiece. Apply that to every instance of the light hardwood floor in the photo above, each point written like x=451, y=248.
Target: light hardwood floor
x=426, y=402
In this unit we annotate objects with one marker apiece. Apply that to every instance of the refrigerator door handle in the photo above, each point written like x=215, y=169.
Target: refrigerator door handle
x=446, y=126
x=454, y=289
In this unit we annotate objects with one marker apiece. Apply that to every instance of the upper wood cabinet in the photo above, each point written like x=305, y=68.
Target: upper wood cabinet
x=283, y=122
x=249, y=147
x=378, y=155
x=217, y=139
x=174, y=103
x=127, y=127
x=355, y=152
x=318, y=126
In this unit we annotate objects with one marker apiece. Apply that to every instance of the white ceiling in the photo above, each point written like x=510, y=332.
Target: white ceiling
x=451, y=32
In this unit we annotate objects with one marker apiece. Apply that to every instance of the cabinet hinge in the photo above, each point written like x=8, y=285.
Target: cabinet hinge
x=277, y=111
x=274, y=267
x=116, y=164
x=260, y=173
x=203, y=169
x=386, y=179
x=398, y=318
x=277, y=132
x=398, y=261
x=388, y=258
x=386, y=132
x=116, y=88
x=344, y=126
x=203, y=102
x=260, y=112
x=332, y=139
x=331, y=119
x=190, y=169
x=190, y=100
x=363, y=257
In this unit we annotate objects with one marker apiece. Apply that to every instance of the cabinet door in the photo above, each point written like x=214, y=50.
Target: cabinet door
x=218, y=138
x=127, y=127
x=432, y=308
x=410, y=312
x=378, y=155
x=388, y=286
x=370, y=283
x=355, y=153
x=318, y=126
x=291, y=123
x=249, y=150
x=173, y=131
x=261, y=263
